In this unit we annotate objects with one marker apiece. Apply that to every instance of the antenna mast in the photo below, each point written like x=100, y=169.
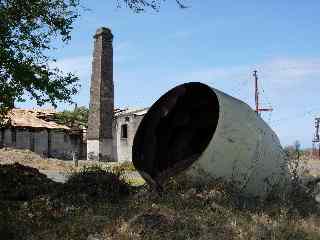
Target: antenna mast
x=256, y=91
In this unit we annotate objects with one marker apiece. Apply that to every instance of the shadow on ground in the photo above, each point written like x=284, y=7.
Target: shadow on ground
x=98, y=204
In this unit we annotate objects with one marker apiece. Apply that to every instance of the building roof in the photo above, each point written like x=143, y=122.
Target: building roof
x=44, y=118
x=131, y=111
x=33, y=118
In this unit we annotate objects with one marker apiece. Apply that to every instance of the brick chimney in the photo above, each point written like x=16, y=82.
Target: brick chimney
x=99, y=133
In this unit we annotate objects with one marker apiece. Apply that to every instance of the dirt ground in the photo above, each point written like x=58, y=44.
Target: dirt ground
x=31, y=159
x=314, y=167
x=58, y=170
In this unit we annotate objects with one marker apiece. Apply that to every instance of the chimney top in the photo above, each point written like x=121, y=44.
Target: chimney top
x=103, y=31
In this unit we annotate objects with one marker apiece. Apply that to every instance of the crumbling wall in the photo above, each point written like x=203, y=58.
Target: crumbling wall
x=45, y=142
x=124, y=145
x=1, y=137
x=41, y=142
x=23, y=138
x=60, y=145
x=7, y=140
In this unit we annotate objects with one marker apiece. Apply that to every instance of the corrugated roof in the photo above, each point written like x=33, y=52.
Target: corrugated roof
x=130, y=111
x=32, y=118
x=41, y=118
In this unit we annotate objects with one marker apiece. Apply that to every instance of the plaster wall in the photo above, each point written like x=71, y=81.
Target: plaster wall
x=124, y=145
x=60, y=145
x=23, y=138
x=41, y=142
x=7, y=141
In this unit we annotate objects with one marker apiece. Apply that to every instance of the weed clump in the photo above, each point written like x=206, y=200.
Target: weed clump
x=92, y=184
x=35, y=207
x=126, y=166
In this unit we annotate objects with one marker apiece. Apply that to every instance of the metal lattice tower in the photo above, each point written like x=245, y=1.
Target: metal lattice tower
x=316, y=139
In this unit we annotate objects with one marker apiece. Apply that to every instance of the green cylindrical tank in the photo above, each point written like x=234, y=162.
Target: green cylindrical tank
x=206, y=134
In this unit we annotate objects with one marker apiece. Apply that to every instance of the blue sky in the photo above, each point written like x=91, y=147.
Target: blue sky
x=215, y=42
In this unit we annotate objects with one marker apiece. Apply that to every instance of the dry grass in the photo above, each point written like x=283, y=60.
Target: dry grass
x=28, y=158
x=31, y=159
x=180, y=212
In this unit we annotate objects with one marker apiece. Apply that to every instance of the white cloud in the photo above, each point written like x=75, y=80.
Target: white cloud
x=289, y=72
x=291, y=86
x=81, y=65
x=277, y=76
x=281, y=71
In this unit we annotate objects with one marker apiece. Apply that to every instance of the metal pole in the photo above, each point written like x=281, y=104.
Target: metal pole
x=256, y=90
x=75, y=159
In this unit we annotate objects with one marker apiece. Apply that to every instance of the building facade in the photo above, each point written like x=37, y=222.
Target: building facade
x=126, y=123
x=32, y=129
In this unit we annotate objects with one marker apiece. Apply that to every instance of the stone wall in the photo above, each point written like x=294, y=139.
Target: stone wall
x=47, y=143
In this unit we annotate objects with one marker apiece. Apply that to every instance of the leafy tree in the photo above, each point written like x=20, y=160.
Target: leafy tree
x=297, y=146
x=294, y=151
x=77, y=117
x=140, y=5
x=27, y=29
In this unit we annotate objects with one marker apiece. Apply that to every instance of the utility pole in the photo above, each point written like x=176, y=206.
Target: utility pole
x=316, y=139
x=256, y=95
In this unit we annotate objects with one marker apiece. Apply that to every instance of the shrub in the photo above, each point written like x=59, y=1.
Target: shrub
x=22, y=183
x=95, y=183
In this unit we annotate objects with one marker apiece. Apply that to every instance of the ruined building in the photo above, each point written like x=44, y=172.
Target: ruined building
x=36, y=130
x=110, y=131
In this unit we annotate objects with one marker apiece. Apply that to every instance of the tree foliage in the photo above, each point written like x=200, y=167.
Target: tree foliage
x=140, y=5
x=77, y=117
x=27, y=30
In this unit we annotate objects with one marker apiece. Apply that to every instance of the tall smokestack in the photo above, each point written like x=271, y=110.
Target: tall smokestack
x=99, y=134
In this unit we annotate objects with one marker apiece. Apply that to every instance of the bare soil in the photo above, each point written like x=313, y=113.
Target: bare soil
x=31, y=159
